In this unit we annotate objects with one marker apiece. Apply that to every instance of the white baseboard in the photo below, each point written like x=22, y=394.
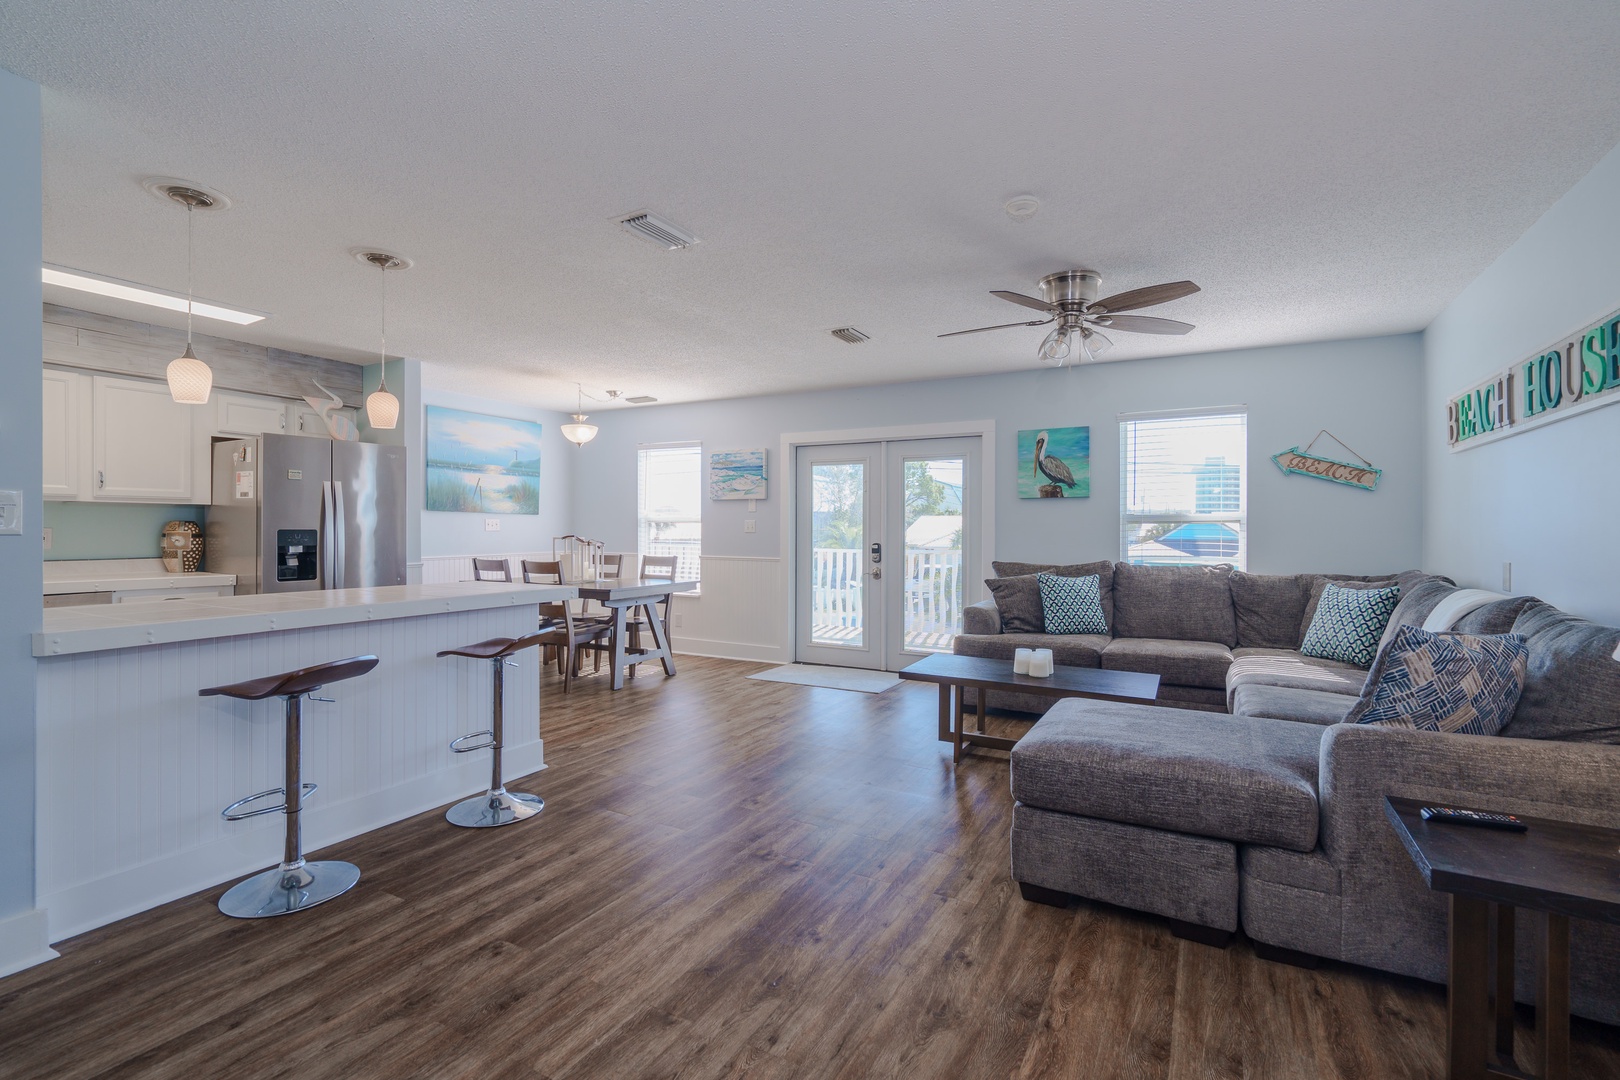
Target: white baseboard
x=731, y=650
x=90, y=904
x=24, y=941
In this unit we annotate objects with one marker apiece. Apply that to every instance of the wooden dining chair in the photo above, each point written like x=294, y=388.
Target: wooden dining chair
x=560, y=629
x=492, y=570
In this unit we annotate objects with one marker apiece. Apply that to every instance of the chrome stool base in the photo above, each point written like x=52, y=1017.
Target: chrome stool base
x=281, y=892
x=494, y=808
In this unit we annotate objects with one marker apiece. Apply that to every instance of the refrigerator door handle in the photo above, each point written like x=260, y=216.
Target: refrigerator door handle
x=328, y=529
x=341, y=523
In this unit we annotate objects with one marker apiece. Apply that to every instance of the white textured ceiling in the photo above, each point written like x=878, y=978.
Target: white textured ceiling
x=1323, y=170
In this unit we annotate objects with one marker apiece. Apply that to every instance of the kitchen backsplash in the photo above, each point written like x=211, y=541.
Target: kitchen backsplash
x=111, y=530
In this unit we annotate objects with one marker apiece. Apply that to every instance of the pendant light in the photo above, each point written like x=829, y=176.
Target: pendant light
x=382, y=408
x=579, y=432
x=190, y=380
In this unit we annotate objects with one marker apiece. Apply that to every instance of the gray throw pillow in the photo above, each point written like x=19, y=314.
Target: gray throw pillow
x=1018, y=599
x=1270, y=608
x=1572, y=687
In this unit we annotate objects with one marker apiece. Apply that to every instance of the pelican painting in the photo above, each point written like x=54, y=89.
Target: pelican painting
x=1054, y=463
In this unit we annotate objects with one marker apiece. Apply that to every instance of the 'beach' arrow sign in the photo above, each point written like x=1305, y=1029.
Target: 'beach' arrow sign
x=1295, y=460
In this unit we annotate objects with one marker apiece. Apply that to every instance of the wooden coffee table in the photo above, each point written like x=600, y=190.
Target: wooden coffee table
x=1557, y=867
x=956, y=673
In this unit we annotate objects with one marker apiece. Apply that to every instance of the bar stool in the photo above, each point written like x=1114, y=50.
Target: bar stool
x=497, y=806
x=295, y=884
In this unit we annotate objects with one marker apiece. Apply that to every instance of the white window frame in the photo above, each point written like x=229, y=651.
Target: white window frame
x=1127, y=520
x=692, y=570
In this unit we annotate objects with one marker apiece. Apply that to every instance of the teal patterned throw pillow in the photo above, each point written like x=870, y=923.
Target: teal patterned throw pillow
x=1463, y=683
x=1072, y=605
x=1348, y=624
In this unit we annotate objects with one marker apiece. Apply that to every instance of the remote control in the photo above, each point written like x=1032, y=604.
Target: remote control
x=1453, y=816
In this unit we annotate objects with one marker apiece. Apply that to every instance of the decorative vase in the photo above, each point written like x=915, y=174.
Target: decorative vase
x=182, y=547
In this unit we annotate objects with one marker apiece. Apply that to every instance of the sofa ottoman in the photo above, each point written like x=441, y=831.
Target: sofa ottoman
x=1146, y=807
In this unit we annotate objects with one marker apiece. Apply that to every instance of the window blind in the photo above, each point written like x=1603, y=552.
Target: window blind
x=669, y=511
x=1183, y=489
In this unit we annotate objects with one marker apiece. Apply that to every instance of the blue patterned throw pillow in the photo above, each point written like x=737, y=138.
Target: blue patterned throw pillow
x=1467, y=683
x=1072, y=605
x=1348, y=624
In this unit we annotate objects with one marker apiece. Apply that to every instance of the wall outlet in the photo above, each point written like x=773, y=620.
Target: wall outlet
x=677, y=620
x=492, y=524
x=1507, y=577
x=47, y=539
x=748, y=525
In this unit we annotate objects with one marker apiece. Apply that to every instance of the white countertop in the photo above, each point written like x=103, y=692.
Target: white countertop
x=122, y=575
x=125, y=626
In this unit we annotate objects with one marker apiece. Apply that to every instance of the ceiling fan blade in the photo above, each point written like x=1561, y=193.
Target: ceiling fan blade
x=1020, y=298
x=1144, y=324
x=1145, y=297
x=1003, y=326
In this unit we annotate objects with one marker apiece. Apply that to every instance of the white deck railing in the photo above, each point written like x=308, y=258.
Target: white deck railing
x=932, y=603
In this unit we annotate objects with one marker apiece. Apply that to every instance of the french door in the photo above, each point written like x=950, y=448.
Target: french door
x=887, y=538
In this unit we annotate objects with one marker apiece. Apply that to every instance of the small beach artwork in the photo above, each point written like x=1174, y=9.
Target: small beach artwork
x=1054, y=463
x=737, y=474
x=478, y=464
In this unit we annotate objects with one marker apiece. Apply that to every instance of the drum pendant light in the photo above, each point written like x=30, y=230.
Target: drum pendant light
x=190, y=380
x=382, y=408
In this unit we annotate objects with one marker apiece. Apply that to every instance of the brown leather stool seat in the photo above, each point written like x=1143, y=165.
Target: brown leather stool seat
x=295, y=884
x=497, y=806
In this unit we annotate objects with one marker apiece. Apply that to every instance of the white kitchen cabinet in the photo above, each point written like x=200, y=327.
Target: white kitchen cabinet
x=64, y=430
x=303, y=420
x=248, y=414
x=143, y=446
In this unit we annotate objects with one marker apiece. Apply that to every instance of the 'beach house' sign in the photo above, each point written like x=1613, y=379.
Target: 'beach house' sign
x=1578, y=374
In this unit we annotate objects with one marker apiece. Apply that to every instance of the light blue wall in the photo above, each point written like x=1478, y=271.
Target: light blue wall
x=81, y=530
x=21, y=584
x=1368, y=392
x=464, y=534
x=1547, y=500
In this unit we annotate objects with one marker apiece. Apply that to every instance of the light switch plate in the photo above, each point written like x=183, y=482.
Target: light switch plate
x=748, y=525
x=1507, y=577
x=47, y=539
x=492, y=524
x=10, y=513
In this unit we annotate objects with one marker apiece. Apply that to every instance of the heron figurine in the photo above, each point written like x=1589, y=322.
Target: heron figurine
x=1053, y=468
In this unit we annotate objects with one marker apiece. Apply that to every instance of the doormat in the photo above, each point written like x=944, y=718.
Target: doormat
x=832, y=678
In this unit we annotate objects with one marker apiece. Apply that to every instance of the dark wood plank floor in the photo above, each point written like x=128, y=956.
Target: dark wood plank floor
x=731, y=878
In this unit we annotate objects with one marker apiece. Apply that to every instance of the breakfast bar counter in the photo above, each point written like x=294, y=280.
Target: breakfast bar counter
x=134, y=767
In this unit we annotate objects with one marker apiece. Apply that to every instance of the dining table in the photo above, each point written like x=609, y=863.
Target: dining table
x=623, y=596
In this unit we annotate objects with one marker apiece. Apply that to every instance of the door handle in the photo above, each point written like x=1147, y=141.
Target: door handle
x=877, y=572
x=327, y=524
x=339, y=527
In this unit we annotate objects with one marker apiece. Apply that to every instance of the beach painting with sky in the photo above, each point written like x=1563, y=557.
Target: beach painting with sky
x=1065, y=453
x=478, y=464
x=737, y=474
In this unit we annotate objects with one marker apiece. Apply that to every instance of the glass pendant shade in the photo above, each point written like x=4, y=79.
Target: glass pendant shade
x=1055, y=349
x=382, y=408
x=579, y=432
x=190, y=380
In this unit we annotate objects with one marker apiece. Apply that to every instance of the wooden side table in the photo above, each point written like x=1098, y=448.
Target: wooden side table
x=1558, y=868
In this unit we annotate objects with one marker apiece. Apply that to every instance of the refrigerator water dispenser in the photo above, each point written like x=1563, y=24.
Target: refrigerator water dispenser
x=295, y=554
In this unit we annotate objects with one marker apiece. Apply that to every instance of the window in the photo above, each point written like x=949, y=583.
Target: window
x=669, y=508
x=1182, y=488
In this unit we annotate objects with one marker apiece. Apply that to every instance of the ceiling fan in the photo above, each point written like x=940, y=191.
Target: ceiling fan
x=1071, y=302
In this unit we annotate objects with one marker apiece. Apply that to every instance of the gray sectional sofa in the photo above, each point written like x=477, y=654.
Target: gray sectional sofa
x=1257, y=809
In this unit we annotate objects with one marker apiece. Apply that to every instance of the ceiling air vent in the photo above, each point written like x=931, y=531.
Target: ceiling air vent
x=661, y=231
x=849, y=334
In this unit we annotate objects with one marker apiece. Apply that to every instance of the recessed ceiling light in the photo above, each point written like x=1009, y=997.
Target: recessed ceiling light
x=142, y=294
x=1022, y=207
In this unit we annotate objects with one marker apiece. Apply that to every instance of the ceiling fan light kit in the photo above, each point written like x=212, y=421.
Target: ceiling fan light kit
x=1069, y=298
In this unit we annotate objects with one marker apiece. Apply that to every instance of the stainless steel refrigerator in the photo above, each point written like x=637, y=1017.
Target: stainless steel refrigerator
x=291, y=513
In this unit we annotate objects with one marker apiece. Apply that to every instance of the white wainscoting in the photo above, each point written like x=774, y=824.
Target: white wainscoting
x=134, y=767
x=738, y=615
x=449, y=569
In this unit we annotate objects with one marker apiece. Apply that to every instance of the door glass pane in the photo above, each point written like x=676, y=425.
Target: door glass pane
x=837, y=537
x=933, y=563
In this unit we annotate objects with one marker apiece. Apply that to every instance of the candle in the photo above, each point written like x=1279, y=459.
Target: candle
x=1021, y=660
x=1040, y=665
